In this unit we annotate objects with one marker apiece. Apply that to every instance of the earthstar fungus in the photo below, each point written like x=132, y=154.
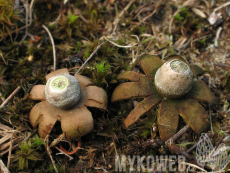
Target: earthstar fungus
x=76, y=120
x=180, y=97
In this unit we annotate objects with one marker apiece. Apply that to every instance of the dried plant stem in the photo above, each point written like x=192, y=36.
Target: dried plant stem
x=10, y=149
x=154, y=11
x=70, y=158
x=46, y=140
x=222, y=6
x=116, y=21
x=221, y=65
x=81, y=16
x=27, y=16
x=31, y=8
x=178, y=134
x=3, y=168
x=6, y=63
x=92, y=54
x=30, y=14
x=186, y=3
x=10, y=97
x=115, y=44
x=53, y=46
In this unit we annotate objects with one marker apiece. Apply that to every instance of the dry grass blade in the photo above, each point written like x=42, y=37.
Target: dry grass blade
x=10, y=97
x=8, y=138
x=94, y=52
x=10, y=149
x=53, y=46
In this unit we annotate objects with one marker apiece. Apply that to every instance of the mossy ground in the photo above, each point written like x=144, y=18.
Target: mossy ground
x=78, y=27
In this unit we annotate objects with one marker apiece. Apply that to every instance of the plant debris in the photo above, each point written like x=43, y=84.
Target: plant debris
x=101, y=40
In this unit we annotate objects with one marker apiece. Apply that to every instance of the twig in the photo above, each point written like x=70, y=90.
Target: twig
x=177, y=135
x=52, y=42
x=116, y=21
x=10, y=97
x=194, y=146
x=46, y=140
x=222, y=6
x=92, y=54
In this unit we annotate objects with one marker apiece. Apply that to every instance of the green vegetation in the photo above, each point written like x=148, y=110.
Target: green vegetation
x=28, y=151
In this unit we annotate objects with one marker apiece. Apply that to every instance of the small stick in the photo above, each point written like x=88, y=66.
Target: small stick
x=10, y=97
x=178, y=134
x=92, y=54
x=52, y=42
x=49, y=153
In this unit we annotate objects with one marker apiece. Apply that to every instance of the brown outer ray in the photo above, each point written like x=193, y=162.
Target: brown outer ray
x=201, y=92
x=44, y=114
x=76, y=123
x=38, y=92
x=196, y=70
x=60, y=71
x=167, y=119
x=83, y=80
x=140, y=109
x=130, y=75
x=178, y=57
x=150, y=64
x=96, y=97
x=194, y=114
x=128, y=90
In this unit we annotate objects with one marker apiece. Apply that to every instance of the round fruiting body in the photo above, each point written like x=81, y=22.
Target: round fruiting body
x=173, y=79
x=62, y=91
